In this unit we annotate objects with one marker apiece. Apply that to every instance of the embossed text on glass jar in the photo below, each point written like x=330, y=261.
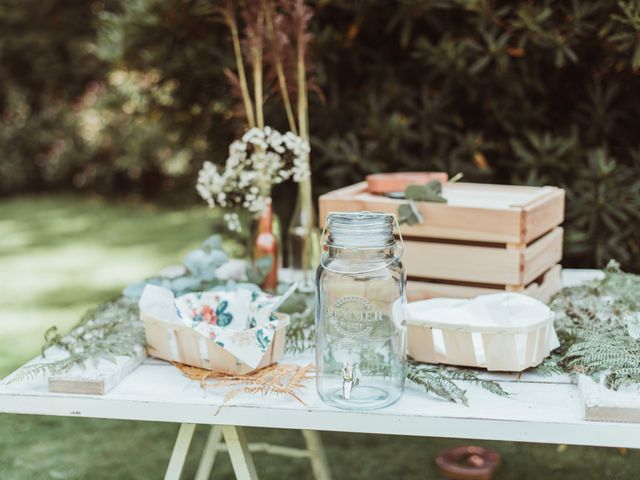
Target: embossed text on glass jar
x=360, y=313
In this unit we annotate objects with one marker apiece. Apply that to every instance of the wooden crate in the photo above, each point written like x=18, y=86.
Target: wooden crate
x=485, y=239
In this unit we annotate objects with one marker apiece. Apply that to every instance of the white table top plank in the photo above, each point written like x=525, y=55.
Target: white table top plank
x=535, y=412
x=539, y=409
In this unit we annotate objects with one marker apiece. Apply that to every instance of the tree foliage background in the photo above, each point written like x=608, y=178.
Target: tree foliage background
x=116, y=96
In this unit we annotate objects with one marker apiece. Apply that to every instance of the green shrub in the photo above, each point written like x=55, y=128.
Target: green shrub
x=526, y=92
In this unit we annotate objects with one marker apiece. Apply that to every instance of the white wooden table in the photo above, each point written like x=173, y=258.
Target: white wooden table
x=540, y=409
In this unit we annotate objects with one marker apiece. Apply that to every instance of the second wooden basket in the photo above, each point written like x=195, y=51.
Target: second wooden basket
x=508, y=347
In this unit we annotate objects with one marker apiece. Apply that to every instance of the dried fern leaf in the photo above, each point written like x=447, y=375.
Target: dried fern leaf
x=280, y=379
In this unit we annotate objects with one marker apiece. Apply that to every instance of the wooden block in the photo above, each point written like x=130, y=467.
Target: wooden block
x=604, y=405
x=98, y=379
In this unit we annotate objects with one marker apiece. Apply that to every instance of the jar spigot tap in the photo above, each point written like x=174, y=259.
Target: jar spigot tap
x=349, y=379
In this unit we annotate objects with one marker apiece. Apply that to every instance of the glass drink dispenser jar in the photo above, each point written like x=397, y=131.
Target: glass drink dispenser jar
x=360, y=312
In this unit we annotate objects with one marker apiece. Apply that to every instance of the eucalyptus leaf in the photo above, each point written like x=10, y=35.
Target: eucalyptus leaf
x=185, y=284
x=248, y=286
x=214, y=242
x=261, y=267
x=409, y=214
x=297, y=302
x=254, y=277
x=134, y=290
x=203, y=265
x=431, y=192
x=264, y=264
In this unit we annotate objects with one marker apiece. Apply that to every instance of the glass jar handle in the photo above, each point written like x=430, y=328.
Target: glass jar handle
x=397, y=250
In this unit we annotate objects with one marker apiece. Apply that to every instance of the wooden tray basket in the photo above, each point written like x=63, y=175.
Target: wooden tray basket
x=179, y=343
x=509, y=349
x=486, y=239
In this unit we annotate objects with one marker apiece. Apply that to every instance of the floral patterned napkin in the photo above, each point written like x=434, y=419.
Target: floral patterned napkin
x=241, y=321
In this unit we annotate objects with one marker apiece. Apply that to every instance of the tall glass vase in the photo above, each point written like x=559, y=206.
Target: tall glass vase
x=303, y=240
x=265, y=241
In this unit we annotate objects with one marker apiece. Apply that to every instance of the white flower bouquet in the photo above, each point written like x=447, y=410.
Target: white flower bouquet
x=260, y=159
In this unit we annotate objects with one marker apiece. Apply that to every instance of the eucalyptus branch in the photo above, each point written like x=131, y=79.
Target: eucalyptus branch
x=230, y=19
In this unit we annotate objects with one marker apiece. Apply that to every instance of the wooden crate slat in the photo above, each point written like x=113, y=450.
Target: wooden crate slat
x=441, y=220
x=475, y=212
x=543, y=290
x=463, y=263
x=479, y=264
x=543, y=214
x=542, y=253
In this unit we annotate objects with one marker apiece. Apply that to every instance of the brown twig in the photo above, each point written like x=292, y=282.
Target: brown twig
x=302, y=15
x=279, y=69
x=230, y=19
x=257, y=69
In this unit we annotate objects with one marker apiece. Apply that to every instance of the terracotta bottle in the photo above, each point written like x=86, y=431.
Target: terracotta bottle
x=266, y=243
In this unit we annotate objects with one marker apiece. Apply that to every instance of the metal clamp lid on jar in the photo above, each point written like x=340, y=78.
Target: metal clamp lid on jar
x=361, y=231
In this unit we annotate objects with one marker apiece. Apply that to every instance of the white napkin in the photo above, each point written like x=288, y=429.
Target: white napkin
x=513, y=311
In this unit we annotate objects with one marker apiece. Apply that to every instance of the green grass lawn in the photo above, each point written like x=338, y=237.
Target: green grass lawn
x=61, y=255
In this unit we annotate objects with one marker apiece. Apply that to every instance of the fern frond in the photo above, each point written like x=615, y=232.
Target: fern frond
x=471, y=376
x=31, y=372
x=441, y=381
x=436, y=382
x=105, y=332
x=301, y=332
x=599, y=325
x=548, y=367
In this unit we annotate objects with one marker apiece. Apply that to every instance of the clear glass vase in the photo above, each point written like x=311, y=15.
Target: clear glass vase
x=360, y=313
x=303, y=240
